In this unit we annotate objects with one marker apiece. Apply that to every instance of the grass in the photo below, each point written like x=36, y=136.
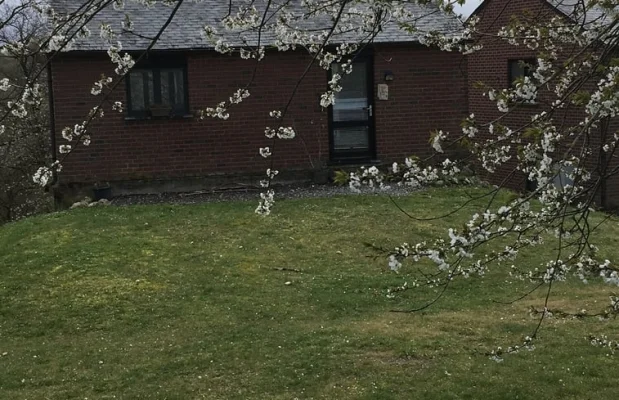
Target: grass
x=191, y=302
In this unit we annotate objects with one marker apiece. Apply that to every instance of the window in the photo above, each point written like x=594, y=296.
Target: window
x=519, y=69
x=530, y=186
x=562, y=178
x=157, y=88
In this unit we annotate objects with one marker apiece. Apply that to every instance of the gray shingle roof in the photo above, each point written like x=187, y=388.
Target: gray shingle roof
x=184, y=32
x=574, y=10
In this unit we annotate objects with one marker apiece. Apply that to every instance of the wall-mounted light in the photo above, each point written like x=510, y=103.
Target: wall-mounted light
x=388, y=76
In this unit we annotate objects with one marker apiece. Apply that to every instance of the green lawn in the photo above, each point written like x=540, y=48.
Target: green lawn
x=200, y=301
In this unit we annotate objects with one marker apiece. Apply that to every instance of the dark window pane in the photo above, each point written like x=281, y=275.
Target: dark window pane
x=151, y=92
x=179, y=84
x=519, y=69
x=141, y=89
x=351, y=138
x=172, y=88
x=353, y=84
x=136, y=91
x=165, y=86
x=351, y=102
x=159, y=87
x=530, y=185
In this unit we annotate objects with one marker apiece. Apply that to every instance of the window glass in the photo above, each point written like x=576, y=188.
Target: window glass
x=141, y=89
x=172, y=87
x=151, y=90
x=167, y=86
x=148, y=77
x=137, y=90
x=519, y=69
x=351, y=102
x=179, y=84
x=354, y=138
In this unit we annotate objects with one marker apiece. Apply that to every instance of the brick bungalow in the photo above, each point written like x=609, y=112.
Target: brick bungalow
x=140, y=151
x=498, y=64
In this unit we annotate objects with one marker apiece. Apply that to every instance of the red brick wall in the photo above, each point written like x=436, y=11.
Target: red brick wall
x=429, y=92
x=154, y=149
x=490, y=66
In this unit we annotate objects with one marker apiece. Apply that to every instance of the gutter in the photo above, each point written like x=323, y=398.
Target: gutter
x=52, y=121
x=603, y=164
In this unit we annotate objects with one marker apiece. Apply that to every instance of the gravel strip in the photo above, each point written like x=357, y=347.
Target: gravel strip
x=282, y=192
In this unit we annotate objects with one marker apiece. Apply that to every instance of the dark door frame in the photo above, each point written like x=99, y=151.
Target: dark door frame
x=352, y=157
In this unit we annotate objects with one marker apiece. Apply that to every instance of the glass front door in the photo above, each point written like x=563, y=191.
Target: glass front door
x=352, y=116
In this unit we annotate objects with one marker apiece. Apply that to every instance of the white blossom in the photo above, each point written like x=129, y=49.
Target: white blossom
x=4, y=84
x=437, y=140
x=42, y=176
x=286, y=132
x=265, y=152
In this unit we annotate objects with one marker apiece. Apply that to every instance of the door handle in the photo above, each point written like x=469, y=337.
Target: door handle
x=369, y=108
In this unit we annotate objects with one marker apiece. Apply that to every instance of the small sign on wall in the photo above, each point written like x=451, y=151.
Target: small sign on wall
x=383, y=91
